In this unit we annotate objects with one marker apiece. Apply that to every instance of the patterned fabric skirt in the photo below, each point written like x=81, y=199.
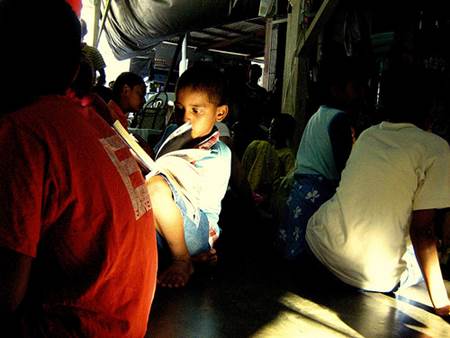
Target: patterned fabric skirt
x=307, y=194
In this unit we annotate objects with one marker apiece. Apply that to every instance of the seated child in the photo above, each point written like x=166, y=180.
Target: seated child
x=128, y=96
x=200, y=99
x=265, y=162
x=324, y=147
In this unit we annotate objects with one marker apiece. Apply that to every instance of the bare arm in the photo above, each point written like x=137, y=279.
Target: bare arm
x=424, y=242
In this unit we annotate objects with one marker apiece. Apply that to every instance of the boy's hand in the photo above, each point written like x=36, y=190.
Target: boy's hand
x=443, y=311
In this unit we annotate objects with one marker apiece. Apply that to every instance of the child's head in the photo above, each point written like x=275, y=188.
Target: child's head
x=43, y=40
x=341, y=82
x=254, y=73
x=282, y=129
x=407, y=95
x=129, y=92
x=200, y=97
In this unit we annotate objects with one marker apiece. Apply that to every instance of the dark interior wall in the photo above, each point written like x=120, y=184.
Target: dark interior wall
x=384, y=31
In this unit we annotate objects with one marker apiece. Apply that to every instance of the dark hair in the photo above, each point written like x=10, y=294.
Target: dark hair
x=127, y=78
x=283, y=127
x=206, y=78
x=43, y=43
x=256, y=70
x=84, y=82
x=104, y=92
x=337, y=72
x=406, y=95
x=286, y=123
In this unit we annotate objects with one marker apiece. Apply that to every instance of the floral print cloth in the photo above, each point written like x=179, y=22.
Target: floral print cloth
x=307, y=194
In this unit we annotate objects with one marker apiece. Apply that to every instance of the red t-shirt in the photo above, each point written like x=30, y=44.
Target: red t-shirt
x=116, y=113
x=76, y=6
x=73, y=198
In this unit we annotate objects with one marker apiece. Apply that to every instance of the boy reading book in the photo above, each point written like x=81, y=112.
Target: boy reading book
x=186, y=219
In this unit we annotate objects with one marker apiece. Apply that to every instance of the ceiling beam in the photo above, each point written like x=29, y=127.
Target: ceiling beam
x=219, y=35
x=231, y=30
x=226, y=43
x=199, y=40
x=257, y=21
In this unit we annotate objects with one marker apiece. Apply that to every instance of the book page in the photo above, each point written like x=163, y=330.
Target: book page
x=139, y=153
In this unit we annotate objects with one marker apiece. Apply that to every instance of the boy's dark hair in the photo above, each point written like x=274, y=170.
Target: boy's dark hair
x=41, y=42
x=285, y=125
x=406, y=95
x=127, y=78
x=255, y=71
x=337, y=72
x=206, y=78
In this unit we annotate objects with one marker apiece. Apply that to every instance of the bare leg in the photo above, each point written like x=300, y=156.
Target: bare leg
x=169, y=224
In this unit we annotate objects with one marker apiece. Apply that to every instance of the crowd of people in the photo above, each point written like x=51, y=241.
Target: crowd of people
x=88, y=234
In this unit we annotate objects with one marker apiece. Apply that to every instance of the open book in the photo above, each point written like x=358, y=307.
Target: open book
x=138, y=152
x=174, y=163
x=175, y=145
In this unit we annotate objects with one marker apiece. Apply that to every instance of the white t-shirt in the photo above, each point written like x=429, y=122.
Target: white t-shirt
x=362, y=232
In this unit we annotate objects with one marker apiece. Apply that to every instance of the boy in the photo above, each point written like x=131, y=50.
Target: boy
x=200, y=99
x=324, y=147
x=77, y=241
x=128, y=96
x=396, y=177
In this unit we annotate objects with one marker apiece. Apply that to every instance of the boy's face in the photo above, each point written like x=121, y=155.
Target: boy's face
x=133, y=98
x=199, y=111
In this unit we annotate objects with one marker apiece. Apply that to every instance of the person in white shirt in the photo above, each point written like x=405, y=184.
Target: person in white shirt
x=396, y=177
x=324, y=148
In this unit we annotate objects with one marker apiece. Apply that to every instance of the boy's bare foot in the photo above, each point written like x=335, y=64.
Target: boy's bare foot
x=208, y=257
x=177, y=274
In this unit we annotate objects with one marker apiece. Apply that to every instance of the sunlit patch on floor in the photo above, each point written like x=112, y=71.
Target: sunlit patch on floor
x=419, y=319
x=304, y=318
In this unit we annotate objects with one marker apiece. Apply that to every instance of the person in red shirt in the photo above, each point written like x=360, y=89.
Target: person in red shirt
x=76, y=6
x=77, y=240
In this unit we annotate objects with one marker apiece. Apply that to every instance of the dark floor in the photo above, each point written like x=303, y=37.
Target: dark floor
x=250, y=294
x=260, y=300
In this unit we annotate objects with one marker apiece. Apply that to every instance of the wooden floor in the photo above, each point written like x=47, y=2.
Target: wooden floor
x=253, y=299
x=250, y=294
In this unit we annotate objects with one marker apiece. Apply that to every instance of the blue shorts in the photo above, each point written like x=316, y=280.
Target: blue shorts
x=196, y=237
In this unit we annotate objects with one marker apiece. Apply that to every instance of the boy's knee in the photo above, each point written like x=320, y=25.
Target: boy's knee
x=158, y=186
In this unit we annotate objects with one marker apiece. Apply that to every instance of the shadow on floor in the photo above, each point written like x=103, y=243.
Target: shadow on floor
x=258, y=298
x=251, y=294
